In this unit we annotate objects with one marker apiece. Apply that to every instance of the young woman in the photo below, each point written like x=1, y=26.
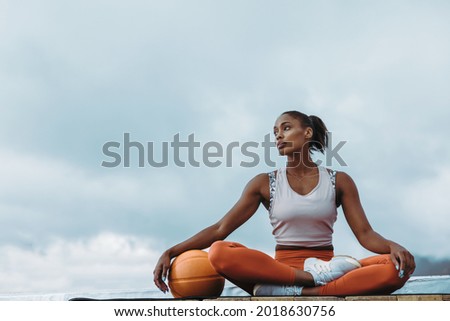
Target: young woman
x=302, y=200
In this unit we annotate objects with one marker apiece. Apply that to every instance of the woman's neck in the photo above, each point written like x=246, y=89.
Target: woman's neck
x=300, y=163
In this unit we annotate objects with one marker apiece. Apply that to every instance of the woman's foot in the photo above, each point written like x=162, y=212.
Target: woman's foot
x=277, y=290
x=321, y=271
x=327, y=271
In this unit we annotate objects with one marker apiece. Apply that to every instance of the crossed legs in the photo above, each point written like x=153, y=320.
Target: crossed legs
x=246, y=267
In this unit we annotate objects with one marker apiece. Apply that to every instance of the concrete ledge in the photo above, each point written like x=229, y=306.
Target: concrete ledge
x=415, y=297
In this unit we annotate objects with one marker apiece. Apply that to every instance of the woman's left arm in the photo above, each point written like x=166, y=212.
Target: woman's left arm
x=348, y=196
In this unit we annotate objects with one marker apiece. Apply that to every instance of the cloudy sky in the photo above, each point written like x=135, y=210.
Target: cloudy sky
x=76, y=75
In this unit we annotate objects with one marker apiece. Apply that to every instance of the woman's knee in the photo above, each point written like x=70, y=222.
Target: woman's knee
x=216, y=248
x=220, y=255
x=217, y=254
x=391, y=277
x=387, y=277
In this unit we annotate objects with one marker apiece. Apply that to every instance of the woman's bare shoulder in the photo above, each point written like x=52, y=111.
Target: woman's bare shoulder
x=260, y=179
x=260, y=182
x=344, y=180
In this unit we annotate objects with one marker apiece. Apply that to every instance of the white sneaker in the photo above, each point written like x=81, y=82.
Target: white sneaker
x=277, y=290
x=324, y=272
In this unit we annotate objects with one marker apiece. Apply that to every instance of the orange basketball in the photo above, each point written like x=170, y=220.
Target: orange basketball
x=191, y=275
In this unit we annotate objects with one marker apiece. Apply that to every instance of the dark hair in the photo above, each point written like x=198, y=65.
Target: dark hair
x=319, y=140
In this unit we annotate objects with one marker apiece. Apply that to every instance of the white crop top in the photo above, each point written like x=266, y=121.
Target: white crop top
x=303, y=220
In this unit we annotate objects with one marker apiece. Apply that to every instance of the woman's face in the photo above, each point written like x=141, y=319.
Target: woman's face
x=290, y=136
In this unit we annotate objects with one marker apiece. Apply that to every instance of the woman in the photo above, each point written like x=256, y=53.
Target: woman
x=302, y=200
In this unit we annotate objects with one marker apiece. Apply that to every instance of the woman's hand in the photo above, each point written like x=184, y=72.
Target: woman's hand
x=403, y=260
x=160, y=272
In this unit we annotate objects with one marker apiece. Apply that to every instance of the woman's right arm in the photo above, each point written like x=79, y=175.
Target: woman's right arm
x=244, y=208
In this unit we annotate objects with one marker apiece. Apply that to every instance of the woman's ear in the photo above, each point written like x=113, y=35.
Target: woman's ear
x=309, y=132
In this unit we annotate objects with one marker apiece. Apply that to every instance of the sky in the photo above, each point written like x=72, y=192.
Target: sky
x=75, y=76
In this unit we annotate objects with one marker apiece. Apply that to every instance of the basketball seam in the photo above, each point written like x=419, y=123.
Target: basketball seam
x=198, y=278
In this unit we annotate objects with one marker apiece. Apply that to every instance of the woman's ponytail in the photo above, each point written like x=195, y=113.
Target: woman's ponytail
x=319, y=141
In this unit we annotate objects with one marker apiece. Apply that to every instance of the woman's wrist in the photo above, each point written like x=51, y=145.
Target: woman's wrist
x=169, y=253
x=394, y=246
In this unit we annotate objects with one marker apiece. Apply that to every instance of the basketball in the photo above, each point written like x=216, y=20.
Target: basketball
x=191, y=275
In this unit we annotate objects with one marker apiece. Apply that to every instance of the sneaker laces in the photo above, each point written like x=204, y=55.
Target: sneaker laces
x=293, y=290
x=322, y=268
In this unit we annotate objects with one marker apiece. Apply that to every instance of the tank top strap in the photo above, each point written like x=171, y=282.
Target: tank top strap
x=332, y=174
x=272, y=185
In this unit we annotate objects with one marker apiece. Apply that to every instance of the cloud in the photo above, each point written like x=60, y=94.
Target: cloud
x=41, y=196
x=106, y=261
x=426, y=201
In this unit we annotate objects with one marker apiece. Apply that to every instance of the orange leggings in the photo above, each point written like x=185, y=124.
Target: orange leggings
x=246, y=267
